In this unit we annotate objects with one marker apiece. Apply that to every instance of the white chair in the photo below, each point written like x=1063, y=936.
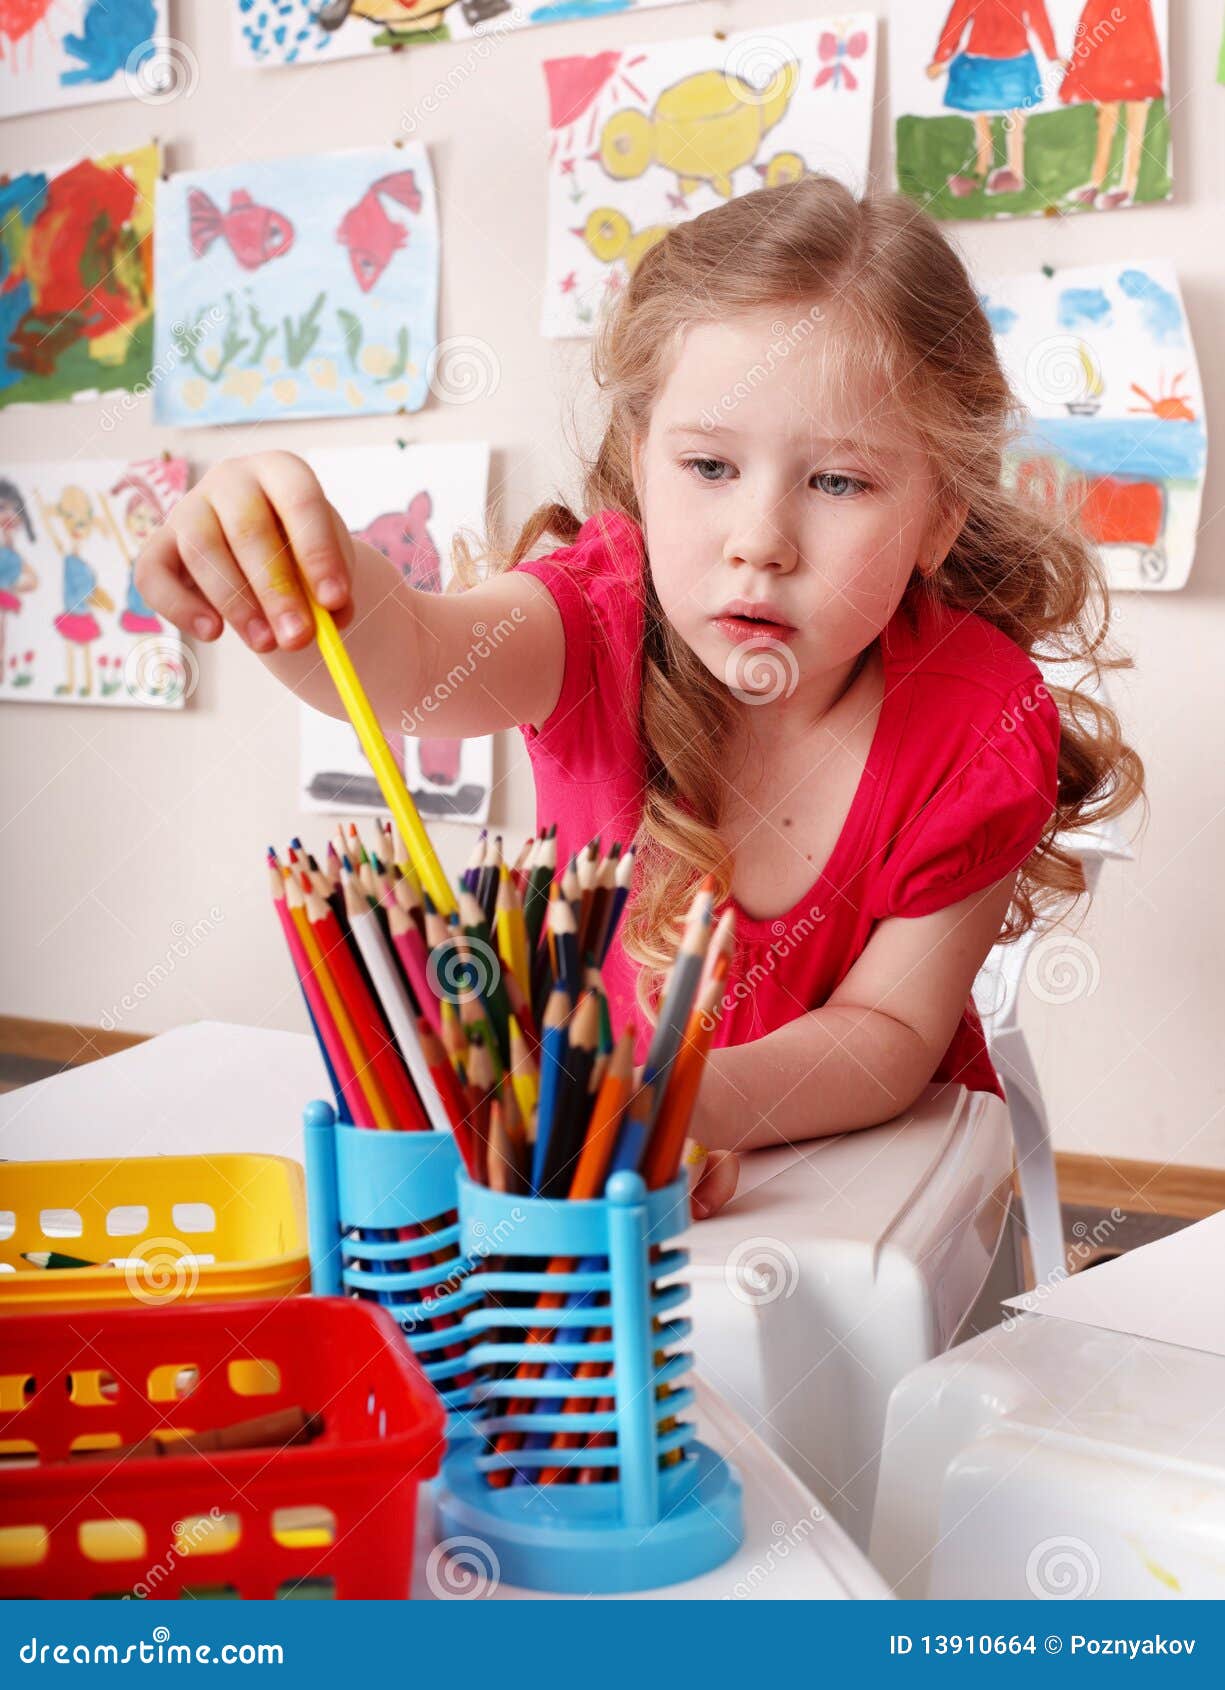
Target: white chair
x=997, y=992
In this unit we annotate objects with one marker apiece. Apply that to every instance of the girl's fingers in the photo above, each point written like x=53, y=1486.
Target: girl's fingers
x=320, y=543
x=208, y=559
x=253, y=535
x=161, y=583
x=344, y=615
x=716, y=1184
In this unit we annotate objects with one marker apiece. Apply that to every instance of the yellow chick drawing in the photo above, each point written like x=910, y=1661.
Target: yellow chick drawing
x=609, y=236
x=399, y=16
x=783, y=167
x=704, y=128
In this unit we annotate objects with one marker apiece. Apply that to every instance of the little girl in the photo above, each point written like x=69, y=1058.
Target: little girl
x=788, y=646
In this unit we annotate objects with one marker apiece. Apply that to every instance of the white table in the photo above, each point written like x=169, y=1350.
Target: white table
x=218, y=1087
x=1052, y=1459
x=792, y=1549
x=844, y=1263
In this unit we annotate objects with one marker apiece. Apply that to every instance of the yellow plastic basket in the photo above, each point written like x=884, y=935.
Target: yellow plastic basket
x=211, y=1228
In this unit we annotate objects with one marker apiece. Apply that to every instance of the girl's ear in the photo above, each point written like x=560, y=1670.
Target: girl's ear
x=637, y=445
x=949, y=520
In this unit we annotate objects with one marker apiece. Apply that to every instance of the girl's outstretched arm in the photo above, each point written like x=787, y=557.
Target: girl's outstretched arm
x=867, y=1053
x=442, y=665
x=236, y=549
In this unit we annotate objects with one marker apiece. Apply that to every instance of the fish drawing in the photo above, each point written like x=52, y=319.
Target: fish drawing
x=371, y=236
x=253, y=233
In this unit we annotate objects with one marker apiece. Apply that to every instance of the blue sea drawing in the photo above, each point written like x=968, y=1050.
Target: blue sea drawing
x=1129, y=448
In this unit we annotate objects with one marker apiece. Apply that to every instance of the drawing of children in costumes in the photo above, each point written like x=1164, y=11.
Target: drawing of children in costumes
x=16, y=575
x=76, y=623
x=993, y=73
x=1115, y=62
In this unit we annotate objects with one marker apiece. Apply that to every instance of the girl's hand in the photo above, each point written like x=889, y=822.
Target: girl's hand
x=228, y=550
x=933, y=71
x=713, y=1175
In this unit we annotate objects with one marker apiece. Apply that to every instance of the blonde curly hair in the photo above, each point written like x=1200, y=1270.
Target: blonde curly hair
x=1017, y=562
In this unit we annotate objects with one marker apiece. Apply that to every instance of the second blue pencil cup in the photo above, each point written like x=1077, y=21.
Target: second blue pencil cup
x=586, y=1479
x=382, y=1225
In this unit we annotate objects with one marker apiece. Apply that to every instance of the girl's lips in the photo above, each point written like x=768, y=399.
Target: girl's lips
x=740, y=629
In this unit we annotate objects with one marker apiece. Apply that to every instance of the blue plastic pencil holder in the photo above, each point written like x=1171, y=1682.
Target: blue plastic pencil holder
x=363, y=1186
x=671, y=1507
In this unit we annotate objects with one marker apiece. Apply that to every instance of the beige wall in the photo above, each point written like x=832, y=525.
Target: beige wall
x=125, y=831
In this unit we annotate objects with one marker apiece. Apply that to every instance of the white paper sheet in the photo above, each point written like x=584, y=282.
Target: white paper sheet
x=1172, y=1291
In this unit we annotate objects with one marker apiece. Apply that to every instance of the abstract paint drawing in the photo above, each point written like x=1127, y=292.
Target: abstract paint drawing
x=74, y=628
x=1013, y=108
x=408, y=502
x=302, y=287
x=76, y=278
x=286, y=32
x=1102, y=359
x=72, y=52
x=642, y=138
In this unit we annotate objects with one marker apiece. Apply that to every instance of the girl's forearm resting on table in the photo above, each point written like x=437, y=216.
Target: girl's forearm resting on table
x=829, y=1071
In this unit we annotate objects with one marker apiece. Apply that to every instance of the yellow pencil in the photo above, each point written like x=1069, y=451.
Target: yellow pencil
x=512, y=932
x=378, y=752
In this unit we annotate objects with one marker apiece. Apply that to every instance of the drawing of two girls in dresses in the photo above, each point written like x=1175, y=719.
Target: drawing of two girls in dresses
x=1115, y=64
x=69, y=524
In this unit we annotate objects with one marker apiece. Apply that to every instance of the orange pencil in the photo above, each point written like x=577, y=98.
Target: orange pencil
x=365, y=1076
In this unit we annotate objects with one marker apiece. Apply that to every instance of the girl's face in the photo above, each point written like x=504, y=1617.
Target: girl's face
x=141, y=519
x=775, y=473
x=9, y=519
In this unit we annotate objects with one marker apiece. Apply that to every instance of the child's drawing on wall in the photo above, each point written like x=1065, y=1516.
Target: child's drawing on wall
x=17, y=574
x=152, y=487
x=76, y=623
x=985, y=51
x=70, y=532
x=1115, y=63
x=1023, y=108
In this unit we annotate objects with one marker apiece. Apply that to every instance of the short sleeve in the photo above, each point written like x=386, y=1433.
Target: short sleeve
x=596, y=584
x=79, y=582
x=985, y=819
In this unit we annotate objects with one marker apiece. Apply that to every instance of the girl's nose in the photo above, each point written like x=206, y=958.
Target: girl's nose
x=761, y=547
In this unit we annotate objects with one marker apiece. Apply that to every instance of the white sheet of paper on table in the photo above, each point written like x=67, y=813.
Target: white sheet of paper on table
x=1150, y=1292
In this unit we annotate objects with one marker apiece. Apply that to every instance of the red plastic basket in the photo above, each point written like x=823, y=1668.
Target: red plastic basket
x=331, y=1517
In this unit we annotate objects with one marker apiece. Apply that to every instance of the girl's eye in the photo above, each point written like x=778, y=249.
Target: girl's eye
x=838, y=486
x=700, y=466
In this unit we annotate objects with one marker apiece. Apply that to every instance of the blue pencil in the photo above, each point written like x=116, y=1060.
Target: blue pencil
x=554, y=1044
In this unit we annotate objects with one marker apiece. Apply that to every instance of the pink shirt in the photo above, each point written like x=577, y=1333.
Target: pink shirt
x=958, y=786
